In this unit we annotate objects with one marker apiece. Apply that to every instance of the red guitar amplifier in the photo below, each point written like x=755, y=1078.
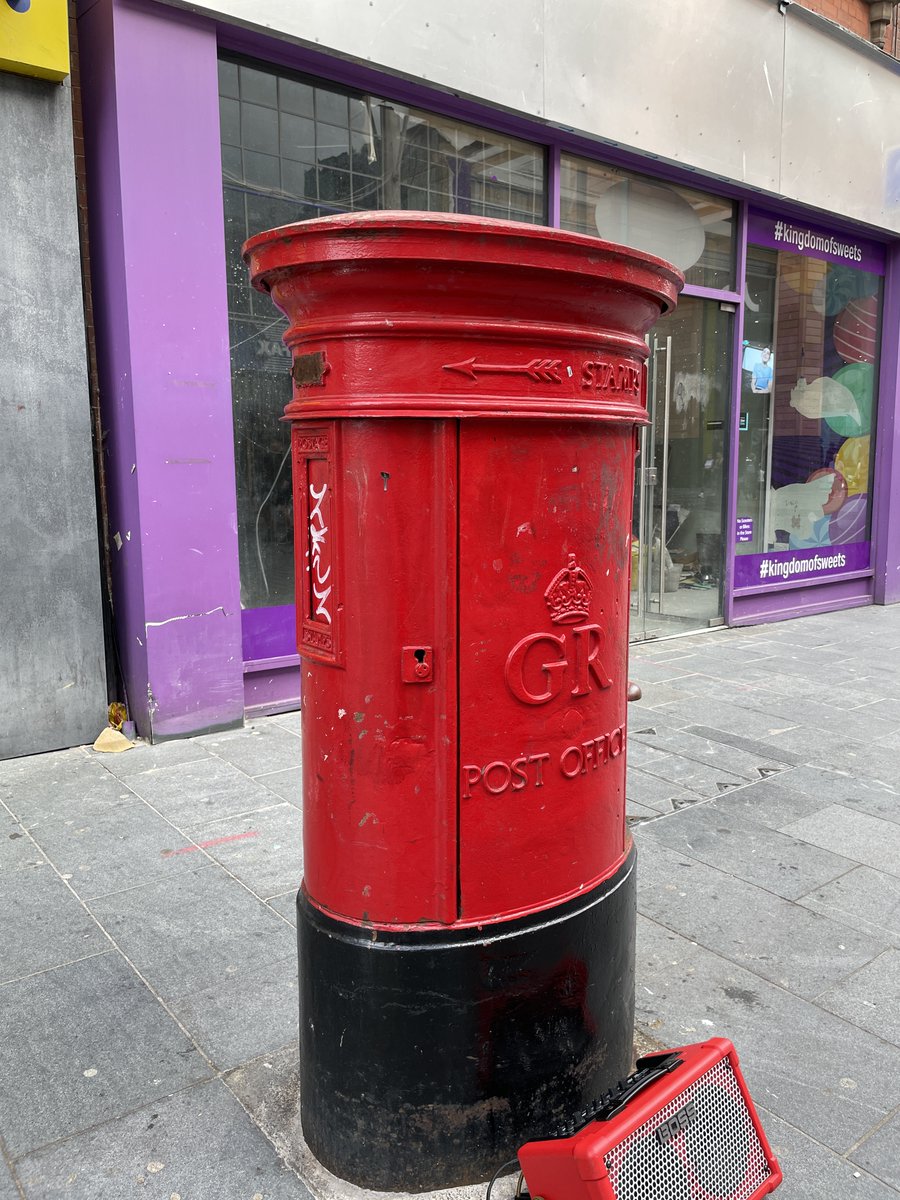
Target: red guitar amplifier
x=683, y=1127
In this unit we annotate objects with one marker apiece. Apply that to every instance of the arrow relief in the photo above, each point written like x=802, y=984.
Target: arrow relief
x=541, y=370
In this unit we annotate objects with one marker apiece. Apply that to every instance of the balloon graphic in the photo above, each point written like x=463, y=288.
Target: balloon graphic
x=840, y=288
x=856, y=331
x=822, y=532
x=828, y=398
x=838, y=493
x=796, y=508
x=846, y=284
x=653, y=217
x=852, y=460
x=849, y=525
x=858, y=379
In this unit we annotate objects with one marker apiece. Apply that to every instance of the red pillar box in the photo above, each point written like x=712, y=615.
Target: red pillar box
x=465, y=399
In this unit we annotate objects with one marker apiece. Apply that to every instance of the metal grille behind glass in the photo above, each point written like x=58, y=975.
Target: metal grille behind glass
x=292, y=149
x=718, y=1156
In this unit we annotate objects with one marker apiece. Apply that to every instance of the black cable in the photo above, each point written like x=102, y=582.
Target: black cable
x=512, y=1162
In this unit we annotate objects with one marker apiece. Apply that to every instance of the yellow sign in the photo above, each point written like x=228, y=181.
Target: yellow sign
x=34, y=37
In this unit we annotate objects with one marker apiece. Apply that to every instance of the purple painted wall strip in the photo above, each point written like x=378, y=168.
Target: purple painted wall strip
x=784, y=603
x=273, y=687
x=554, y=182
x=886, y=511
x=269, y=632
x=734, y=421
x=181, y=596
x=97, y=55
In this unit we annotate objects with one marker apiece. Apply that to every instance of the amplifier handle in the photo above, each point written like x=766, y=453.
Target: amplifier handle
x=649, y=1068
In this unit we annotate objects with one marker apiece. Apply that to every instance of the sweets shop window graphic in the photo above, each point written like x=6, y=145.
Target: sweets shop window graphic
x=809, y=362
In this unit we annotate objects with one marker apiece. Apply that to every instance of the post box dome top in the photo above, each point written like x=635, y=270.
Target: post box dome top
x=437, y=236
x=477, y=295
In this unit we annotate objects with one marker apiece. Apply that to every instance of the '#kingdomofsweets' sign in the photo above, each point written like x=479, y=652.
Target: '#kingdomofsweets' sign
x=34, y=38
x=751, y=570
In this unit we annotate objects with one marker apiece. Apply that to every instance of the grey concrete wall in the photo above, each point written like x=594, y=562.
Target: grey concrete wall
x=52, y=671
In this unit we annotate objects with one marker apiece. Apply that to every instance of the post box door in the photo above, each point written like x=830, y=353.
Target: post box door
x=377, y=592
x=544, y=545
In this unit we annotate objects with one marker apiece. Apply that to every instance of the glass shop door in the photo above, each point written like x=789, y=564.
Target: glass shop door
x=677, y=549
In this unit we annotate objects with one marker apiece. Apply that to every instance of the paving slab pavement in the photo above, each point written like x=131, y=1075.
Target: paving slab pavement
x=148, y=978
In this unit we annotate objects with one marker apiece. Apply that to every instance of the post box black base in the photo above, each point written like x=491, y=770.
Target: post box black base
x=427, y=1059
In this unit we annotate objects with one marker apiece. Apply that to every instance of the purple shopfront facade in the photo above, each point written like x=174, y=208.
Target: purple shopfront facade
x=191, y=658
x=850, y=570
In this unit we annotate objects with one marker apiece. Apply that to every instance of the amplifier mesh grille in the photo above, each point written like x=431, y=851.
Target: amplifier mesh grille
x=718, y=1156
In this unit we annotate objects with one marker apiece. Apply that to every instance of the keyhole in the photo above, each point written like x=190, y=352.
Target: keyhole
x=416, y=664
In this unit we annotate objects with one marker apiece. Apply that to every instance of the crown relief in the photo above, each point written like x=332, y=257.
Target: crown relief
x=569, y=595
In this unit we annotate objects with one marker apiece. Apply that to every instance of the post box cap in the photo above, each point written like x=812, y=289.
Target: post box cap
x=411, y=313
x=390, y=233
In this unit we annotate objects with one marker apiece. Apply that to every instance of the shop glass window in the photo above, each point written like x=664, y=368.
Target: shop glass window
x=692, y=229
x=295, y=148
x=808, y=396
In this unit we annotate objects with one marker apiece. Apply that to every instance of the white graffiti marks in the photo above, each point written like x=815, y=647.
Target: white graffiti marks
x=317, y=531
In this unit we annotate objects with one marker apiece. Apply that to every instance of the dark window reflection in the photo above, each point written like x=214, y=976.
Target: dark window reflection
x=294, y=149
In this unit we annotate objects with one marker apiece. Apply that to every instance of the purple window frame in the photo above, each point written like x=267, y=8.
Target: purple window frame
x=836, y=588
